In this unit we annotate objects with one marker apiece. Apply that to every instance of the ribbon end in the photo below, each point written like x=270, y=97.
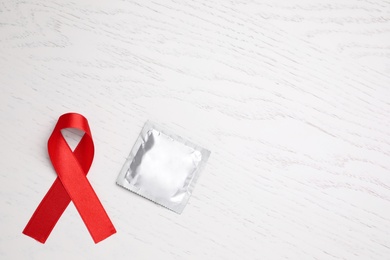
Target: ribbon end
x=39, y=239
x=102, y=237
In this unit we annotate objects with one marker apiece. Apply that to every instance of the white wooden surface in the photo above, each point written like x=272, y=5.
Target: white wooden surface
x=291, y=97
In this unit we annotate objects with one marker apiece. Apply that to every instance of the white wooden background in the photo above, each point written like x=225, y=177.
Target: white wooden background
x=291, y=97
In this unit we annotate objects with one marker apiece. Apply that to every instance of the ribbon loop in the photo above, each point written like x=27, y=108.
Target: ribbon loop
x=71, y=184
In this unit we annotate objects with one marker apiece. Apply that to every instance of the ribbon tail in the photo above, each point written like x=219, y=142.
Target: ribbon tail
x=48, y=213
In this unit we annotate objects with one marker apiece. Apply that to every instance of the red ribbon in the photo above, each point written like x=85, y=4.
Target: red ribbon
x=71, y=184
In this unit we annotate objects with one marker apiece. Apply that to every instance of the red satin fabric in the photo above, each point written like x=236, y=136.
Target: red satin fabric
x=71, y=184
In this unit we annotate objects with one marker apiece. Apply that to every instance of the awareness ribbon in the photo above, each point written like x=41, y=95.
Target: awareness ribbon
x=71, y=184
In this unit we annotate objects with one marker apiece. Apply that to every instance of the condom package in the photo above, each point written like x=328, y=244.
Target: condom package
x=163, y=167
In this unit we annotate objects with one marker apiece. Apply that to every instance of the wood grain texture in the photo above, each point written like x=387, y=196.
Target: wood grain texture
x=291, y=97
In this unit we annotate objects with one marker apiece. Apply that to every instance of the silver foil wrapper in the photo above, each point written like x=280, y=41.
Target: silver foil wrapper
x=163, y=167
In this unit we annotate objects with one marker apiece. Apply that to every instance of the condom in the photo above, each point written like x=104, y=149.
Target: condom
x=163, y=167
